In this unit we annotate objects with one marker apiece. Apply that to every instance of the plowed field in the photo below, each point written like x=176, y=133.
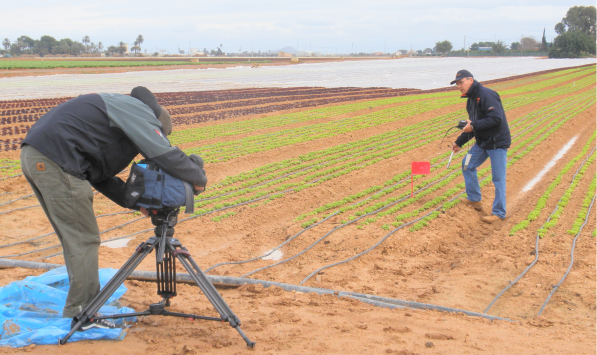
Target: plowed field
x=312, y=187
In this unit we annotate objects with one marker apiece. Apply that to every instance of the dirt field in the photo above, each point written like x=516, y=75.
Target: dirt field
x=454, y=260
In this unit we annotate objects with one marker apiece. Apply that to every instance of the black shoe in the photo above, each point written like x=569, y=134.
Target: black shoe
x=94, y=323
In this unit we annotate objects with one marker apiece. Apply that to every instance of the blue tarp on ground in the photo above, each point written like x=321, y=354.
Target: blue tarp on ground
x=31, y=311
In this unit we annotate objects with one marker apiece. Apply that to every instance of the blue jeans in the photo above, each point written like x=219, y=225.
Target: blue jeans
x=498, y=176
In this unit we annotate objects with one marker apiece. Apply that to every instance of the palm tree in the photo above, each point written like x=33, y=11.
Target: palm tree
x=86, y=41
x=121, y=47
x=6, y=44
x=100, y=47
x=139, y=41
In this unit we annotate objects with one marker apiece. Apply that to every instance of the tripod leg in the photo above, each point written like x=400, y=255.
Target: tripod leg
x=210, y=291
x=129, y=266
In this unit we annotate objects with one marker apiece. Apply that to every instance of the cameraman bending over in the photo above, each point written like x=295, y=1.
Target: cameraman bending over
x=85, y=142
x=488, y=125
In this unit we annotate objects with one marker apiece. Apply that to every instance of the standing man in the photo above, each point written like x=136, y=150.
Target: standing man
x=488, y=125
x=85, y=142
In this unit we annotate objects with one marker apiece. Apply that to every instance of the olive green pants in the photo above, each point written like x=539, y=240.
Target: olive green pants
x=68, y=203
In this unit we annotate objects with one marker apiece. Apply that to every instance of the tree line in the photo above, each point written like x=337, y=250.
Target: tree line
x=48, y=45
x=576, y=38
x=576, y=33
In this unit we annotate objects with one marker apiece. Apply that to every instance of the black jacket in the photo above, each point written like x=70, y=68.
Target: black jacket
x=490, y=126
x=94, y=137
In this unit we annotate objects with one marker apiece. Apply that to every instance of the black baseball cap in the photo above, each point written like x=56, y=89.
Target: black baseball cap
x=462, y=74
x=147, y=97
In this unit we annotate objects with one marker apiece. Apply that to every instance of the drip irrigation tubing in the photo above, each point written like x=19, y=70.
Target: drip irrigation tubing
x=20, y=208
x=274, y=249
x=512, y=283
x=306, y=229
x=8, y=177
x=385, y=237
x=16, y=199
x=341, y=226
x=224, y=208
x=221, y=209
x=237, y=281
x=57, y=245
x=362, y=252
x=571, y=259
x=45, y=235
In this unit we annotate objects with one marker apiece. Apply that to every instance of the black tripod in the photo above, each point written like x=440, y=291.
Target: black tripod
x=168, y=250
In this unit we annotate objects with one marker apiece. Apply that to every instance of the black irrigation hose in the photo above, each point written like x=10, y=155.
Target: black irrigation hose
x=20, y=208
x=8, y=177
x=286, y=260
x=571, y=259
x=305, y=229
x=376, y=244
x=102, y=242
x=537, y=242
x=57, y=245
x=341, y=226
x=392, y=232
x=346, y=157
x=224, y=208
x=20, y=198
x=237, y=281
x=8, y=166
x=45, y=235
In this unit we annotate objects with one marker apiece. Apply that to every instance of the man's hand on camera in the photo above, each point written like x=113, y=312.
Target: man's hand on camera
x=144, y=210
x=468, y=127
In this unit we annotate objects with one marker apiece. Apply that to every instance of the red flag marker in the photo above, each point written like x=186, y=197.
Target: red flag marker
x=418, y=168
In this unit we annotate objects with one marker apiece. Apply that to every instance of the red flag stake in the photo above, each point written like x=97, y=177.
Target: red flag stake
x=418, y=168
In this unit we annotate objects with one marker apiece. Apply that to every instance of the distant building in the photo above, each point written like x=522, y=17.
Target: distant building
x=378, y=53
x=126, y=48
x=284, y=54
x=485, y=48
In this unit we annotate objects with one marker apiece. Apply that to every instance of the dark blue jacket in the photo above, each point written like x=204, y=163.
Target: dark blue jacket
x=485, y=110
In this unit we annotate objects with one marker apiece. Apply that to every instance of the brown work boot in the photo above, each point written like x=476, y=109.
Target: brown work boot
x=475, y=205
x=490, y=219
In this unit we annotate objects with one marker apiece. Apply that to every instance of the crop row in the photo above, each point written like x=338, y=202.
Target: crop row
x=199, y=97
x=550, y=82
x=228, y=150
x=184, y=136
x=321, y=99
x=424, y=126
x=438, y=182
x=323, y=169
x=534, y=140
x=542, y=202
x=582, y=213
x=379, y=205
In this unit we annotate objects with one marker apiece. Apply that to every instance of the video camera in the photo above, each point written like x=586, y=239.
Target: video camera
x=150, y=187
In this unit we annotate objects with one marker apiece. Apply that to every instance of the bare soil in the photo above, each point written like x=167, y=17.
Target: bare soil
x=456, y=261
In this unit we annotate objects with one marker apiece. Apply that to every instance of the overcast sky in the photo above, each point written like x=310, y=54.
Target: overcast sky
x=327, y=26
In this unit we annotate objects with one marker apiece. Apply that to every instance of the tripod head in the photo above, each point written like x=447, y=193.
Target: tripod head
x=166, y=216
